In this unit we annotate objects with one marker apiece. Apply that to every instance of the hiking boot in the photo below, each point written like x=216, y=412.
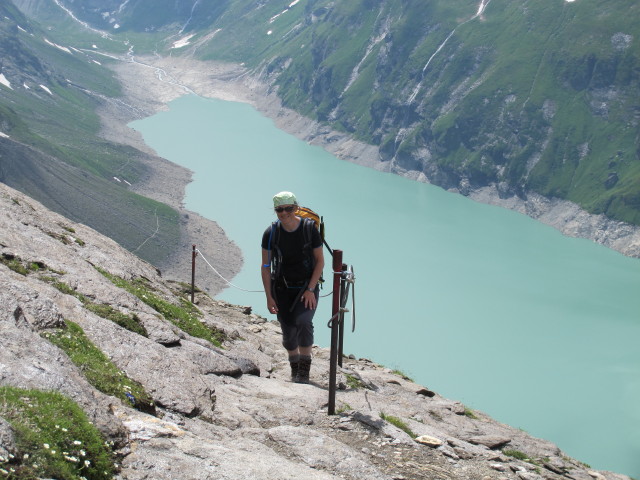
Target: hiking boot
x=304, y=367
x=294, y=361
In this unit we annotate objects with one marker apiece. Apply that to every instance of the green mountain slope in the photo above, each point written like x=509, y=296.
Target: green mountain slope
x=50, y=147
x=530, y=96
x=525, y=96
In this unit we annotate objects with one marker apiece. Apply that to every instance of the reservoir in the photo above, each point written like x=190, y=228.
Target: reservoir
x=481, y=304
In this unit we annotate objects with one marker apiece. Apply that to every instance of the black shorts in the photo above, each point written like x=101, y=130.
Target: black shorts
x=296, y=322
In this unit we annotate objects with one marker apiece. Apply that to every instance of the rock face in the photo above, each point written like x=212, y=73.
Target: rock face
x=228, y=412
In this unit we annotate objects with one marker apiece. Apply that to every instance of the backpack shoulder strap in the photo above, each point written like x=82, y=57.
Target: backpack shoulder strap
x=273, y=240
x=307, y=230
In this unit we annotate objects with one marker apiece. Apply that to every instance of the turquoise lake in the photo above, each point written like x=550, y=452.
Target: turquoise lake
x=481, y=304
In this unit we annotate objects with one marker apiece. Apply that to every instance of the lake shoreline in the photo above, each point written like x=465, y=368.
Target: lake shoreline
x=150, y=83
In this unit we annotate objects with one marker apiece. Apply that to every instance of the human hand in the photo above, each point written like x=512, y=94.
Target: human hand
x=272, y=306
x=309, y=299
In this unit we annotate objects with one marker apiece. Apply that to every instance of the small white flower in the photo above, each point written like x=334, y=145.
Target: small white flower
x=77, y=442
x=64, y=429
x=87, y=463
x=46, y=445
x=83, y=453
x=25, y=456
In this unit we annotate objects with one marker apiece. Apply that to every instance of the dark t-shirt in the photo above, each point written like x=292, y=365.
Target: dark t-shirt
x=295, y=265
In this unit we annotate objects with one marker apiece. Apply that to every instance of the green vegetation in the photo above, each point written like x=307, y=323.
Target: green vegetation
x=354, y=382
x=469, y=413
x=185, y=316
x=517, y=454
x=98, y=369
x=397, y=422
x=402, y=375
x=17, y=265
x=345, y=407
x=130, y=322
x=54, y=438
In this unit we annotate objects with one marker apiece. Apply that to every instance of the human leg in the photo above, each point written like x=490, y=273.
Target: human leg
x=304, y=324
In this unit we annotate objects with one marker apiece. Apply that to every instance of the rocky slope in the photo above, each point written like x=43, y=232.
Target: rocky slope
x=226, y=412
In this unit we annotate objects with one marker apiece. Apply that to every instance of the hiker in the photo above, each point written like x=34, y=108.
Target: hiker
x=292, y=263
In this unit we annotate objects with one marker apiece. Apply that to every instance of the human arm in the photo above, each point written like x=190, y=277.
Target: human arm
x=265, y=272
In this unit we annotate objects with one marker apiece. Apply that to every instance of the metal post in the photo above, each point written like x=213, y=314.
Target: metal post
x=193, y=271
x=343, y=288
x=333, y=358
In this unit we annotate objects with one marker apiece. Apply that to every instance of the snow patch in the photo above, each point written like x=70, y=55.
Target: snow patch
x=4, y=81
x=272, y=19
x=117, y=25
x=96, y=62
x=569, y=1
x=269, y=32
x=121, y=7
x=183, y=42
x=4, y=135
x=46, y=89
x=22, y=29
x=64, y=49
x=26, y=87
x=117, y=179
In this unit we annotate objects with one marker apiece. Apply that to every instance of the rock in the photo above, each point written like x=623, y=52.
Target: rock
x=322, y=452
x=462, y=453
x=426, y=392
x=7, y=441
x=556, y=465
x=429, y=441
x=247, y=367
x=528, y=476
x=490, y=441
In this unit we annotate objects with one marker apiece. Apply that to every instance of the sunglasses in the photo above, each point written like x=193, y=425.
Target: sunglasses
x=288, y=209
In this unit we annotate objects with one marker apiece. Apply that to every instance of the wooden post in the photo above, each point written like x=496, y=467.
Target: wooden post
x=193, y=271
x=335, y=315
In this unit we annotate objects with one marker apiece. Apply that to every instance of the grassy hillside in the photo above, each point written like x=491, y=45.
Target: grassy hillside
x=54, y=152
x=532, y=96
